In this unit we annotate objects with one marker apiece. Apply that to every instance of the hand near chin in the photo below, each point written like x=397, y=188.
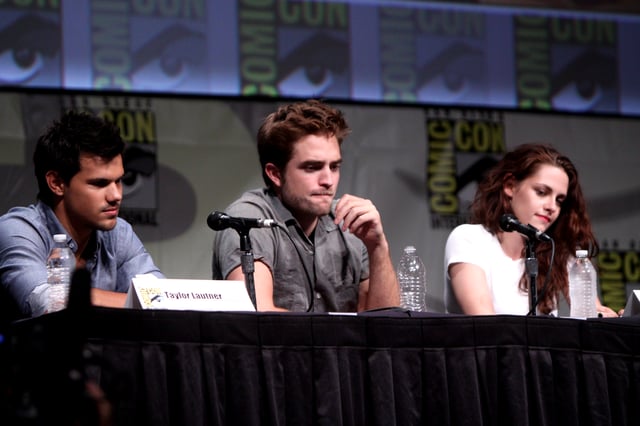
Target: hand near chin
x=361, y=218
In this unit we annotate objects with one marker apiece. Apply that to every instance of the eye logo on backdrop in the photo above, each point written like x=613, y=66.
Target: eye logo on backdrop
x=294, y=48
x=30, y=44
x=431, y=55
x=148, y=45
x=566, y=64
x=462, y=146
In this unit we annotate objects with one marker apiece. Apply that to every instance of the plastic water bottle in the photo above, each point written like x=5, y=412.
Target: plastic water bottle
x=60, y=266
x=582, y=287
x=412, y=280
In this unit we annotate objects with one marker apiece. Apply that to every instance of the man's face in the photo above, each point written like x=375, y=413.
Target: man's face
x=92, y=198
x=309, y=180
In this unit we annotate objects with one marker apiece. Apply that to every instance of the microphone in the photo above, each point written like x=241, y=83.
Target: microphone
x=509, y=223
x=219, y=221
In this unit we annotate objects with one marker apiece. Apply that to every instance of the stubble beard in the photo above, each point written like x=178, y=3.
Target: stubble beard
x=302, y=206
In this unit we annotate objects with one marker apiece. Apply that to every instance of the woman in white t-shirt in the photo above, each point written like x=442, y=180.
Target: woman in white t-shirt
x=484, y=266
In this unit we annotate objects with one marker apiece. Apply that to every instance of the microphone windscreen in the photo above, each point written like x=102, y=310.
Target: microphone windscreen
x=506, y=222
x=215, y=221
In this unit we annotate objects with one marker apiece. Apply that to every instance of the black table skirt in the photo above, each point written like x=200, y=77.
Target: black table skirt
x=386, y=368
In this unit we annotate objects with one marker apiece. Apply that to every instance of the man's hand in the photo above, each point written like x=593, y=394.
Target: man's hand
x=361, y=218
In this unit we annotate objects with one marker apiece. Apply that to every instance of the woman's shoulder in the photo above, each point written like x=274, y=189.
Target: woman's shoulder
x=471, y=230
x=470, y=235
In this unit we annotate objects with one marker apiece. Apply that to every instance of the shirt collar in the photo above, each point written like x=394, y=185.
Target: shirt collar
x=53, y=224
x=55, y=227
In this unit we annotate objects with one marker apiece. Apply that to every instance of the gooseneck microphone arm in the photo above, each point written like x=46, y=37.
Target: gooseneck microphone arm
x=531, y=265
x=219, y=221
x=248, y=267
x=509, y=223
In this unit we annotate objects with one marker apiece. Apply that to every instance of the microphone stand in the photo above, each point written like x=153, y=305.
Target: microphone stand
x=531, y=265
x=246, y=260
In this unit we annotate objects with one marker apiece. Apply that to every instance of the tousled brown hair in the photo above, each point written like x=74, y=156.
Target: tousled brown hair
x=281, y=129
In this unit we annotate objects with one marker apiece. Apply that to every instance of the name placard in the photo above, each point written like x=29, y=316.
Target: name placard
x=148, y=292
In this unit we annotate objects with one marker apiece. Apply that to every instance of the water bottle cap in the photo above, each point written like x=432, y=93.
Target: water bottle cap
x=409, y=249
x=582, y=253
x=60, y=238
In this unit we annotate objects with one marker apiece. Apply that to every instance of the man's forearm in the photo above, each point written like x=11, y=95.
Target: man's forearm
x=383, y=284
x=110, y=299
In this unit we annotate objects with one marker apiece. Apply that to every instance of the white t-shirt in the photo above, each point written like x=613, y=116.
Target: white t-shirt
x=474, y=244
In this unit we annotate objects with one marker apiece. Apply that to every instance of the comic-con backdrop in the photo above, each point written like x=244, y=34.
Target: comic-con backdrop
x=188, y=156
x=420, y=52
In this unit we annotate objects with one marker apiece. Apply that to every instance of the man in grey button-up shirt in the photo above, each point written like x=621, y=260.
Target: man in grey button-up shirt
x=325, y=254
x=78, y=165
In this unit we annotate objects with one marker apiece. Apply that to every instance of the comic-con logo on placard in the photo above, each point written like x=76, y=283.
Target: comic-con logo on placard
x=462, y=146
x=136, y=120
x=566, y=64
x=293, y=48
x=148, y=45
x=30, y=44
x=618, y=273
x=432, y=55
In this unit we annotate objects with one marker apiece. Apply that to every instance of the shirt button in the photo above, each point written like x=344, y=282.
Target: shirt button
x=318, y=295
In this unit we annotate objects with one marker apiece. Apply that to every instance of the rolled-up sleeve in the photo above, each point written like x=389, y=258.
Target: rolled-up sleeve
x=23, y=254
x=132, y=258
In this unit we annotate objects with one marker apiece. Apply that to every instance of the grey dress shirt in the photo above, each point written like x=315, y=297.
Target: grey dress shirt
x=322, y=275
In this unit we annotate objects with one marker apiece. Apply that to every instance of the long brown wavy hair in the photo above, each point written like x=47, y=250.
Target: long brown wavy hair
x=571, y=230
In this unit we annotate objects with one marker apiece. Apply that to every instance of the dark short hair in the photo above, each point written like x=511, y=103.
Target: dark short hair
x=281, y=129
x=59, y=148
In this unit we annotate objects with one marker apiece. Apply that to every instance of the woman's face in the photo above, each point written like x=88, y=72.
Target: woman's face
x=537, y=200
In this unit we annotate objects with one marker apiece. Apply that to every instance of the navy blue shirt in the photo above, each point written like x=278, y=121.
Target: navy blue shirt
x=26, y=237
